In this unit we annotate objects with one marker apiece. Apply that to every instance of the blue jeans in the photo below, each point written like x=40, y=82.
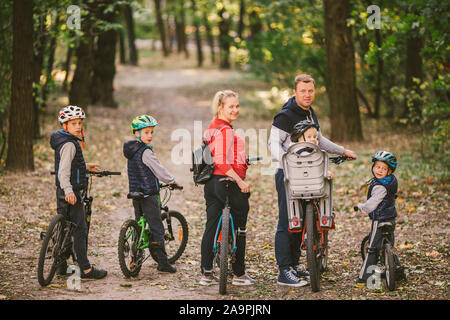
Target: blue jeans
x=287, y=244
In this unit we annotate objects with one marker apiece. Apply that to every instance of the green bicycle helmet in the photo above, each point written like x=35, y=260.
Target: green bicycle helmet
x=143, y=121
x=386, y=157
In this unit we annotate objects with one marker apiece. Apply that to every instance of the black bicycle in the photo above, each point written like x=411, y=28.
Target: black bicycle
x=316, y=243
x=386, y=261
x=136, y=236
x=224, y=246
x=57, y=244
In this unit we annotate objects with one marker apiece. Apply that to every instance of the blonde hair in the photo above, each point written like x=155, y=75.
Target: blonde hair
x=219, y=99
x=303, y=78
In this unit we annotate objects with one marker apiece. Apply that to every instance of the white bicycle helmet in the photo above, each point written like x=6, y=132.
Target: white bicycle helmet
x=70, y=113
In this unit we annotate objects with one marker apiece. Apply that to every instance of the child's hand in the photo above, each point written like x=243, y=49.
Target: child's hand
x=93, y=167
x=244, y=186
x=71, y=198
x=330, y=175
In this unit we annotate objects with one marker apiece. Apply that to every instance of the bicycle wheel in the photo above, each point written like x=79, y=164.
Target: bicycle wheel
x=312, y=249
x=130, y=256
x=223, y=253
x=176, y=234
x=51, y=253
x=389, y=267
x=324, y=254
x=364, y=247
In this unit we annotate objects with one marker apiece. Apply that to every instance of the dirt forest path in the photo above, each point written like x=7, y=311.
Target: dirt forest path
x=177, y=98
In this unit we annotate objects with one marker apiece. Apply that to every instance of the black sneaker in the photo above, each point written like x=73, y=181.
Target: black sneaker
x=400, y=274
x=166, y=267
x=94, y=274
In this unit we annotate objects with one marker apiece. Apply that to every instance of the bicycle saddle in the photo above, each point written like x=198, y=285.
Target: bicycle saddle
x=135, y=195
x=227, y=179
x=386, y=226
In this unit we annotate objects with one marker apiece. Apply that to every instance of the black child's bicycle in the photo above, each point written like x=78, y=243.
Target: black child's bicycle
x=386, y=260
x=136, y=236
x=57, y=244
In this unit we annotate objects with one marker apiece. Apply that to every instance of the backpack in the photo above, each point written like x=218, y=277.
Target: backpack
x=202, y=161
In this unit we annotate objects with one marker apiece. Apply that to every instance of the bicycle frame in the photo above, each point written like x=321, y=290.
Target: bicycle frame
x=218, y=235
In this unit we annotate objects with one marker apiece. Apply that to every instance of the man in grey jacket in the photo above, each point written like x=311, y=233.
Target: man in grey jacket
x=296, y=109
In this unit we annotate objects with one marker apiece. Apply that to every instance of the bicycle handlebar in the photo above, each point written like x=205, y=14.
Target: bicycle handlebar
x=337, y=159
x=254, y=159
x=170, y=186
x=102, y=173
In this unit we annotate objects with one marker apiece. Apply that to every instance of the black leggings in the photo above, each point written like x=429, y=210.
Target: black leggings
x=215, y=195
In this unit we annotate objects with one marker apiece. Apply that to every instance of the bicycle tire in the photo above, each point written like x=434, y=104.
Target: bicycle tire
x=174, y=248
x=311, y=249
x=43, y=279
x=132, y=268
x=324, y=257
x=223, y=258
x=364, y=247
x=389, y=267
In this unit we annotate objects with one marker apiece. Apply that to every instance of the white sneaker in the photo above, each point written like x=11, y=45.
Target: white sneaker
x=207, y=280
x=244, y=280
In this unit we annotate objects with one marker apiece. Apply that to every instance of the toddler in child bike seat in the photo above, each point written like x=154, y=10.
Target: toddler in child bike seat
x=71, y=179
x=144, y=173
x=380, y=206
x=306, y=131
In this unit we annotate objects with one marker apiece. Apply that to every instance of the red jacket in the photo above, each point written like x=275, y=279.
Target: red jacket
x=225, y=155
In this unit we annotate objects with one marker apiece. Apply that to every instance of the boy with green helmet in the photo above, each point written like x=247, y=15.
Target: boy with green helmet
x=144, y=173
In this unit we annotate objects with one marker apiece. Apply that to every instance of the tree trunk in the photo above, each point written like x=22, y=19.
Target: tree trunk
x=21, y=120
x=122, y=55
x=161, y=28
x=40, y=42
x=67, y=66
x=224, y=39
x=80, y=88
x=241, y=24
x=198, y=39
x=132, y=51
x=341, y=78
x=209, y=36
x=102, y=89
x=413, y=70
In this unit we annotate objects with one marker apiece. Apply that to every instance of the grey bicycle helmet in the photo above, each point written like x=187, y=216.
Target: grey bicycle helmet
x=300, y=128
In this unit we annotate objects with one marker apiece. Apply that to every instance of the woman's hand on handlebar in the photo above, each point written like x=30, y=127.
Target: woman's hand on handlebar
x=245, y=187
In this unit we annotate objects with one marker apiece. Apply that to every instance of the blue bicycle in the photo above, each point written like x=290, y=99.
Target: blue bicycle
x=225, y=238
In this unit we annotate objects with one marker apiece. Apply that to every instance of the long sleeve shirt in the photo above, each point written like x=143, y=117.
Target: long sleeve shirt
x=67, y=153
x=150, y=160
x=378, y=194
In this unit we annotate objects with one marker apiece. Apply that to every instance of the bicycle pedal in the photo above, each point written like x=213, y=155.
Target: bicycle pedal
x=42, y=235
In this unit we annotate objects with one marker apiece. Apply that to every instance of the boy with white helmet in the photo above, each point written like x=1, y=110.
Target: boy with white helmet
x=71, y=178
x=144, y=173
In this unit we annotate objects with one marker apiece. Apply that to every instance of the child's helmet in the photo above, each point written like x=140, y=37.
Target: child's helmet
x=386, y=157
x=143, y=121
x=300, y=128
x=70, y=113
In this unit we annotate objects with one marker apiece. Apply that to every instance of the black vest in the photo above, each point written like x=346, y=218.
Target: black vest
x=140, y=177
x=78, y=176
x=386, y=209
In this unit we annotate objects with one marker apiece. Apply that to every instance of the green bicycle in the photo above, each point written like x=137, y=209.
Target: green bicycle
x=136, y=236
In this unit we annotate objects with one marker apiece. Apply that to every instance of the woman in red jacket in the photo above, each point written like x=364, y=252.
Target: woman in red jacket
x=228, y=150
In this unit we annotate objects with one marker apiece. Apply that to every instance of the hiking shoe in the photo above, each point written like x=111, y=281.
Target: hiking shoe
x=166, y=267
x=244, y=280
x=400, y=274
x=94, y=274
x=287, y=278
x=300, y=271
x=207, y=280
